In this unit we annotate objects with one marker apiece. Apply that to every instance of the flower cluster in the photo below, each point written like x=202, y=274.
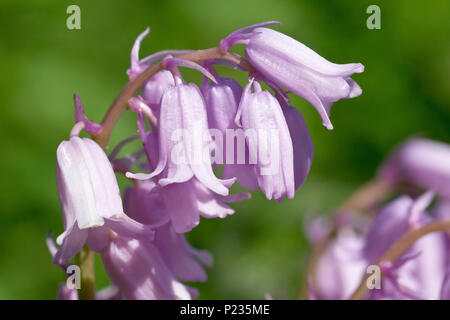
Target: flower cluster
x=422, y=270
x=254, y=134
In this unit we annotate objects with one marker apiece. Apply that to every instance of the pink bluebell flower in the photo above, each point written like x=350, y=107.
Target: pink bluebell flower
x=144, y=203
x=270, y=144
x=90, y=199
x=420, y=162
x=138, y=270
x=295, y=67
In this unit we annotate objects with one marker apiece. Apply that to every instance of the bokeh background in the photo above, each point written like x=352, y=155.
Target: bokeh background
x=262, y=248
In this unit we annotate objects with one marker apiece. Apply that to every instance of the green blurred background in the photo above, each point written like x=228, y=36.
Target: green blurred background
x=262, y=248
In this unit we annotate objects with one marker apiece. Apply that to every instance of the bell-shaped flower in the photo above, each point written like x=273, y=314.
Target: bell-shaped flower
x=295, y=67
x=144, y=203
x=155, y=87
x=136, y=267
x=90, y=199
x=194, y=199
x=269, y=141
x=420, y=162
x=222, y=100
x=184, y=139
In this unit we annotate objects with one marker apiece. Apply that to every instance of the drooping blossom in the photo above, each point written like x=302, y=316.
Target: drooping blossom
x=222, y=101
x=144, y=203
x=269, y=144
x=90, y=199
x=295, y=67
x=136, y=267
x=184, y=144
x=421, y=162
x=145, y=252
x=193, y=198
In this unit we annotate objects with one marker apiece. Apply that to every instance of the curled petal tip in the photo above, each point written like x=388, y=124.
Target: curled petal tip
x=170, y=62
x=138, y=176
x=328, y=125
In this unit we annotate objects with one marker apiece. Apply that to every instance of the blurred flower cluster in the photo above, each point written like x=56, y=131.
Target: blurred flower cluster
x=188, y=133
x=406, y=235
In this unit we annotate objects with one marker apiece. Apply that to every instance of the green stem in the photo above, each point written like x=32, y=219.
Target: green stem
x=85, y=260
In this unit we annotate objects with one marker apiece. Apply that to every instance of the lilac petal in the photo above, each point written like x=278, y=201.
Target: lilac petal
x=71, y=245
x=310, y=289
x=388, y=226
x=182, y=107
x=203, y=256
x=51, y=246
x=230, y=40
x=244, y=173
x=136, y=68
x=420, y=162
x=341, y=267
x=145, y=204
x=178, y=255
x=221, y=102
x=108, y=293
x=245, y=94
x=418, y=208
x=138, y=105
x=302, y=144
x=424, y=274
x=87, y=185
x=162, y=54
x=445, y=291
x=224, y=62
x=237, y=197
x=139, y=271
x=125, y=163
x=98, y=239
x=262, y=112
x=155, y=87
x=183, y=212
x=355, y=89
x=295, y=67
x=130, y=228
x=64, y=293
x=318, y=229
x=89, y=126
x=292, y=49
x=171, y=62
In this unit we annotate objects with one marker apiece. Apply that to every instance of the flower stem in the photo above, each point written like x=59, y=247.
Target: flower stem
x=120, y=104
x=85, y=260
x=399, y=248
